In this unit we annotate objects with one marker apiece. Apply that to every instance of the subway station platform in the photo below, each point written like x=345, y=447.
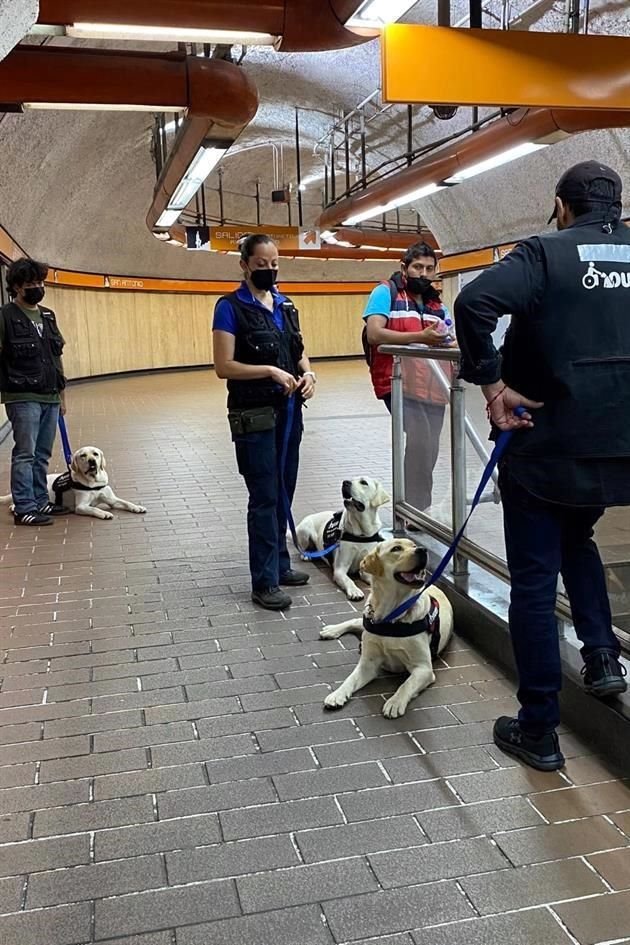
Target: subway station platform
x=168, y=775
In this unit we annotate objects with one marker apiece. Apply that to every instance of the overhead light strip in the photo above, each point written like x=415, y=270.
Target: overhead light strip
x=161, y=34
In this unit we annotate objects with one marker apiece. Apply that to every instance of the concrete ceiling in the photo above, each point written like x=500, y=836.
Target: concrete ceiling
x=75, y=186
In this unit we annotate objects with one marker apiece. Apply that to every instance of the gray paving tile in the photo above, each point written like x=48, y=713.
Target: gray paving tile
x=437, y=861
x=34, y=855
x=599, y=919
x=246, y=722
x=300, y=736
x=303, y=884
x=87, y=766
x=217, y=797
x=328, y=781
x=88, y=724
x=153, y=938
x=457, y=736
x=65, y=925
x=18, y=775
x=414, y=720
x=256, y=766
x=144, y=736
x=559, y=841
x=205, y=749
x=40, y=750
x=505, y=782
x=179, y=711
x=165, y=908
x=96, y=881
x=95, y=816
x=474, y=820
x=18, y=734
x=439, y=764
x=279, y=818
x=151, y=781
x=366, y=749
x=400, y=799
x=14, y=827
x=225, y=860
x=183, y=833
x=534, y=927
x=531, y=886
x=285, y=697
x=39, y=796
x=372, y=836
x=11, y=893
x=302, y=924
x=395, y=910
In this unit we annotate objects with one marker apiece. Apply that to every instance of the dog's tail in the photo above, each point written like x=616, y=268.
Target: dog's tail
x=6, y=499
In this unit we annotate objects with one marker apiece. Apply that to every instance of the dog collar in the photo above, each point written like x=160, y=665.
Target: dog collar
x=333, y=533
x=65, y=482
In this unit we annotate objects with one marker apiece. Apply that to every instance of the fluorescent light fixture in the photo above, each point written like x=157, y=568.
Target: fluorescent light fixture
x=168, y=217
x=413, y=195
x=377, y=13
x=504, y=157
x=96, y=107
x=205, y=160
x=162, y=34
x=365, y=215
x=327, y=235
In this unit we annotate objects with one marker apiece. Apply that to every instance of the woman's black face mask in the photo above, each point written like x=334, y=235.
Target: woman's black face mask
x=263, y=279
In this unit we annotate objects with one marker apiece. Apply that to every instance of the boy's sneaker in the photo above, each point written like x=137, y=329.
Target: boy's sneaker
x=32, y=518
x=52, y=509
x=604, y=675
x=537, y=751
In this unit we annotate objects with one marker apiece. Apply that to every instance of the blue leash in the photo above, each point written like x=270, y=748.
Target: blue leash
x=309, y=555
x=497, y=453
x=65, y=442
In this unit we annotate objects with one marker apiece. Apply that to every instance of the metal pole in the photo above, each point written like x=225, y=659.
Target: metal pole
x=409, y=134
x=333, y=181
x=398, y=443
x=257, y=201
x=221, y=206
x=363, y=153
x=444, y=12
x=346, y=136
x=458, y=467
x=298, y=163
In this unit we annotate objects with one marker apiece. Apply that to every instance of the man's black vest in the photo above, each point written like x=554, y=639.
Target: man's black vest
x=259, y=341
x=27, y=362
x=573, y=353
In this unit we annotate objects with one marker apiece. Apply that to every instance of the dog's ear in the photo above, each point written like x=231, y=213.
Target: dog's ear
x=372, y=564
x=381, y=497
x=73, y=465
x=103, y=464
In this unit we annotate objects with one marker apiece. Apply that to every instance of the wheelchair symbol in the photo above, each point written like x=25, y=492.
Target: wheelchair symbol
x=593, y=276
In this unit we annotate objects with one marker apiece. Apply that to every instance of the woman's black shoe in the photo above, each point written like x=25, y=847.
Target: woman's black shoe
x=294, y=578
x=537, y=751
x=272, y=598
x=604, y=675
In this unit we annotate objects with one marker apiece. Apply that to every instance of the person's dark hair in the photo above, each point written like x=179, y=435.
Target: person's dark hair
x=247, y=244
x=603, y=202
x=22, y=271
x=417, y=251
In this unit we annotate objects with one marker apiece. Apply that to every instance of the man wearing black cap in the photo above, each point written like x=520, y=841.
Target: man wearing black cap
x=565, y=358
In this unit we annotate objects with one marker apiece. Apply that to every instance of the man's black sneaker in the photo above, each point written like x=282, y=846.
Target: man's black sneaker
x=52, y=509
x=604, y=675
x=32, y=518
x=294, y=578
x=537, y=751
x=272, y=598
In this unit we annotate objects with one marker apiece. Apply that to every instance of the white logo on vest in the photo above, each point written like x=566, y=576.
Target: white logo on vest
x=608, y=280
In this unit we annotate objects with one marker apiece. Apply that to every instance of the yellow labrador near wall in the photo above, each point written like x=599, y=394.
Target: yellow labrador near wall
x=85, y=488
x=397, y=569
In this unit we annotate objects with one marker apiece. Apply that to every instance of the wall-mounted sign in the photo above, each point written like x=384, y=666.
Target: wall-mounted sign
x=225, y=239
x=198, y=238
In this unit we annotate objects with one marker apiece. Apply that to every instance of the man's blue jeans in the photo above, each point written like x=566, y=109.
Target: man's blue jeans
x=34, y=428
x=543, y=540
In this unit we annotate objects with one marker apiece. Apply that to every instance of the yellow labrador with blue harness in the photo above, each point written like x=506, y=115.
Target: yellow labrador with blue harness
x=409, y=644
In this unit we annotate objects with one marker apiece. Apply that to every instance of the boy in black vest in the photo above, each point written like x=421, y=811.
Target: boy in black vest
x=32, y=385
x=566, y=357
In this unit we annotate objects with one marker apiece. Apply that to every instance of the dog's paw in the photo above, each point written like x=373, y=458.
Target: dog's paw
x=139, y=509
x=335, y=700
x=107, y=516
x=355, y=594
x=329, y=632
x=395, y=707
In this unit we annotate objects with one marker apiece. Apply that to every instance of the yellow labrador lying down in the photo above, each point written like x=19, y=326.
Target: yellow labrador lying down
x=410, y=644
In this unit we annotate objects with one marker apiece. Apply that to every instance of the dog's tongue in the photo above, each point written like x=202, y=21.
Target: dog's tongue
x=410, y=576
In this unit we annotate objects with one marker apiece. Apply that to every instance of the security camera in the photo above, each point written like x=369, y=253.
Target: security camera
x=444, y=112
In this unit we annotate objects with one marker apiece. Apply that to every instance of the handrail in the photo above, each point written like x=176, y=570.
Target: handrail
x=421, y=351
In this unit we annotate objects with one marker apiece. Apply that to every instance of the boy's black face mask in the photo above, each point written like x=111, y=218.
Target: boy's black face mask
x=420, y=285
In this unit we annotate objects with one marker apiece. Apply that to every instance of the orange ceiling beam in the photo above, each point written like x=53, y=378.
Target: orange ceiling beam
x=303, y=25
x=386, y=239
x=513, y=68
x=525, y=125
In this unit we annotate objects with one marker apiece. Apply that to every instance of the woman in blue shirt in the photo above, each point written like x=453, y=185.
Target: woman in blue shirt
x=258, y=349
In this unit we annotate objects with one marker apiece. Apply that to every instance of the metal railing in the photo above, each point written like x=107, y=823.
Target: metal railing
x=461, y=429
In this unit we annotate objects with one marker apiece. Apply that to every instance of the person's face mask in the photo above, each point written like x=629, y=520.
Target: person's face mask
x=33, y=295
x=263, y=279
x=420, y=285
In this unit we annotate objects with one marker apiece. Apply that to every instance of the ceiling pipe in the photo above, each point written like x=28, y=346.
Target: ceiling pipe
x=300, y=25
x=389, y=239
x=539, y=125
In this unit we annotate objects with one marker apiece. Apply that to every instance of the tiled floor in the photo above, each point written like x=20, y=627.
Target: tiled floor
x=167, y=773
